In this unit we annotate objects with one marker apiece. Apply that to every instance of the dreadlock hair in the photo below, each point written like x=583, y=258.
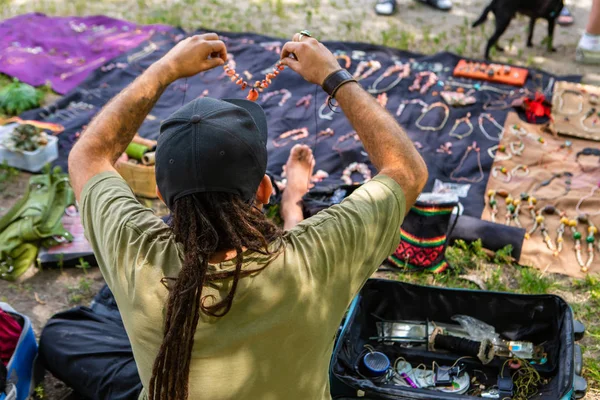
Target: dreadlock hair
x=205, y=223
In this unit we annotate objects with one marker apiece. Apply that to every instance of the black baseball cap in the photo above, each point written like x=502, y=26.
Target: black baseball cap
x=212, y=145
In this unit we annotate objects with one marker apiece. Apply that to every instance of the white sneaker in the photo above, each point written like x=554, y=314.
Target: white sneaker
x=588, y=49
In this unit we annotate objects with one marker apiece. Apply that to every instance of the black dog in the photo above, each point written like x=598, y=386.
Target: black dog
x=505, y=10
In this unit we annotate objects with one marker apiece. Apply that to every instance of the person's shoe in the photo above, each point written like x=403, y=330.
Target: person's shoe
x=444, y=5
x=385, y=7
x=588, y=49
x=565, y=18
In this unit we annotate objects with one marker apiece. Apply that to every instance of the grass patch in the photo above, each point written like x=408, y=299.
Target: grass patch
x=81, y=292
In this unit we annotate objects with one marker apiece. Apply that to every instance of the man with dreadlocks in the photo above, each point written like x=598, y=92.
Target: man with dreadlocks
x=219, y=304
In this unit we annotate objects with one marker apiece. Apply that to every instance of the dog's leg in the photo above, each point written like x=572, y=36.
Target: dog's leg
x=550, y=39
x=531, y=27
x=502, y=23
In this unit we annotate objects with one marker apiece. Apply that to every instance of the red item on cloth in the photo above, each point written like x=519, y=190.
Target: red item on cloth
x=10, y=331
x=537, y=107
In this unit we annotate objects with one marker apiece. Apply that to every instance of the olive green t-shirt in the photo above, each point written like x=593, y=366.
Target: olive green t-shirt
x=277, y=339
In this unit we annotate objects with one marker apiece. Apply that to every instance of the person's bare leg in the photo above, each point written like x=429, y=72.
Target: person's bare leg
x=588, y=49
x=298, y=170
x=593, y=26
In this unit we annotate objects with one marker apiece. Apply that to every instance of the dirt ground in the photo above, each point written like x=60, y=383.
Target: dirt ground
x=416, y=27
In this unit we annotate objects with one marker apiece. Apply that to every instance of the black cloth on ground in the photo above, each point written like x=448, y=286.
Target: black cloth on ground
x=256, y=54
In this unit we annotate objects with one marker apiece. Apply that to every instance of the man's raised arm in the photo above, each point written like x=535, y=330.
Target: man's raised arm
x=108, y=135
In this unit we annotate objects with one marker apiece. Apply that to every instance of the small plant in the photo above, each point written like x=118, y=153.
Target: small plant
x=18, y=97
x=504, y=255
x=81, y=292
x=7, y=174
x=84, y=265
x=531, y=281
x=39, y=392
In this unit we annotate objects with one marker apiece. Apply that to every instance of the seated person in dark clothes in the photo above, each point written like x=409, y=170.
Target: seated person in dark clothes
x=221, y=304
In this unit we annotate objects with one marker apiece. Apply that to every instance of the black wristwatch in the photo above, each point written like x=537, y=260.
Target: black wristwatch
x=336, y=80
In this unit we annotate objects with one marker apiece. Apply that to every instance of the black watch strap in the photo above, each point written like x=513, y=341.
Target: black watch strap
x=336, y=80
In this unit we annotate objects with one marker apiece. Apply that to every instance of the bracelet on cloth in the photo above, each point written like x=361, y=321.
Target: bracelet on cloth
x=336, y=80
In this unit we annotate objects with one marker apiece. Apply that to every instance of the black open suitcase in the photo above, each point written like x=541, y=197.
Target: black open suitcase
x=544, y=319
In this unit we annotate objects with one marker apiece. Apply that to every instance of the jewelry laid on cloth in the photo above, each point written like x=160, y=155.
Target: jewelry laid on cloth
x=332, y=110
x=517, y=151
x=427, y=110
x=566, y=175
x=360, y=72
x=478, y=179
x=512, y=211
x=343, y=138
x=588, y=114
x=78, y=70
x=402, y=106
x=285, y=95
x=346, y=58
x=404, y=72
x=540, y=219
x=502, y=170
x=494, y=203
x=382, y=99
x=583, y=199
x=432, y=78
x=520, y=167
x=518, y=130
x=588, y=151
x=445, y=148
x=361, y=168
x=291, y=135
x=531, y=202
x=324, y=134
x=480, y=87
x=590, y=239
x=258, y=86
x=561, y=102
x=457, y=99
x=304, y=101
x=493, y=121
x=146, y=51
x=467, y=120
x=499, y=148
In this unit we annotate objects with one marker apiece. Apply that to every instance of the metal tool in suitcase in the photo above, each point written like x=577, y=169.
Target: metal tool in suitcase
x=404, y=341
x=19, y=371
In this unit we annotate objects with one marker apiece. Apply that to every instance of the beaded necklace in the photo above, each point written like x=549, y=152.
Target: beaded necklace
x=583, y=199
x=466, y=119
x=285, y=95
x=531, y=202
x=404, y=72
x=432, y=78
x=557, y=247
x=258, y=86
x=590, y=239
x=427, y=110
x=477, y=151
x=291, y=135
x=547, y=182
x=343, y=138
x=493, y=121
x=360, y=72
x=361, y=168
x=561, y=102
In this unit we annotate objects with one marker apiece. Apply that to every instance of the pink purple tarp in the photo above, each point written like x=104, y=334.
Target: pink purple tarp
x=36, y=48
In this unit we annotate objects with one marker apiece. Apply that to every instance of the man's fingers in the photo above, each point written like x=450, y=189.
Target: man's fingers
x=289, y=48
x=209, y=36
x=214, y=62
x=297, y=37
x=293, y=64
x=218, y=47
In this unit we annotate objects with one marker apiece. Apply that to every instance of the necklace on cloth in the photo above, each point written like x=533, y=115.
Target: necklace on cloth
x=285, y=95
x=493, y=121
x=346, y=58
x=304, y=101
x=466, y=119
x=427, y=110
x=431, y=80
x=403, y=105
x=503, y=170
x=478, y=179
x=258, y=86
x=499, y=148
x=291, y=135
x=557, y=247
x=404, y=72
x=583, y=199
x=513, y=207
x=360, y=72
x=494, y=203
x=561, y=102
x=343, y=138
x=332, y=110
x=531, y=202
x=588, y=151
x=547, y=182
x=361, y=168
x=588, y=114
x=590, y=239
